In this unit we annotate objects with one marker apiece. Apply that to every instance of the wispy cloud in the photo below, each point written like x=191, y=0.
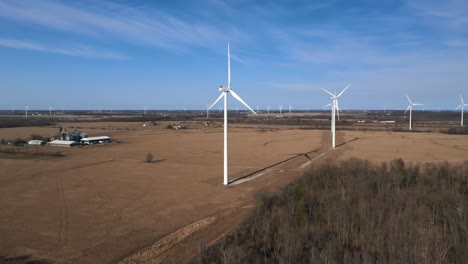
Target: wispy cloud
x=457, y=43
x=126, y=23
x=76, y=50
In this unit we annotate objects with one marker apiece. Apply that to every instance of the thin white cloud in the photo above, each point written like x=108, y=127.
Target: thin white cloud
x=457, y=43
x=126, y=23
x=76, y=50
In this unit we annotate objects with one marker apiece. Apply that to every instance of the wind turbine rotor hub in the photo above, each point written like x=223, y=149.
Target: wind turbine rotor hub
x=224, y=89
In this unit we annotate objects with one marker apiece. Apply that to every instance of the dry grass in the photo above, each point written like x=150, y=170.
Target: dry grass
x=101, y=203
x=355, y=211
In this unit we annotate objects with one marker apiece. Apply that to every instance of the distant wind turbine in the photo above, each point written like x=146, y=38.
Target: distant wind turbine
x=334, y=111
x=462, y=105
x=281, y=109
x=50, y=110
x=224, y=94
x=410, y=108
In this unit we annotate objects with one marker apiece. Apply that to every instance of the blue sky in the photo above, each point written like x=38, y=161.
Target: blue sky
x=172, y=54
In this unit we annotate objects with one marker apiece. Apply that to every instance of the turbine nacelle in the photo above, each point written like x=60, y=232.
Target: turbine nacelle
x=224, y=89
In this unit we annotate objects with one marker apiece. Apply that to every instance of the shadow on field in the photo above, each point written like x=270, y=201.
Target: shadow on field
x=21, y=260
x=306, y=154
x=157, y=161
x=344, y=143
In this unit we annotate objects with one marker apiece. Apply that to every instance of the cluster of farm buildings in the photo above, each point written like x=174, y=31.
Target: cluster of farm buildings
x=76, y=138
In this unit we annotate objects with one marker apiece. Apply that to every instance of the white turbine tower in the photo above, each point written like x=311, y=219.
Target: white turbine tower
x=268, y=110
x=281, y=109
x=334, y=111
x=50, y=110
x=290, y=106
x=410, y=108
x=26, y=111
x=224, y=94
x=462, y=105
x=207, y=110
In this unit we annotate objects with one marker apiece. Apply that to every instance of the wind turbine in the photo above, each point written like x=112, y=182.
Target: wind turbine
x=334, y=111
x=50, y=110
x=462, y=105
x=224, y=94
x=410, y=108
x=145, y=110
x=26, y=111
x=290, y=106
x=268, y=110
x=281, y=109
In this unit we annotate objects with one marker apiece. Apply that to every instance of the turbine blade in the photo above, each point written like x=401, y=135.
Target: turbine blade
x=327, y=105
x=343, y=90
x=229, y=67
x=338, y=109
x=462, y=99
x=328, y=92
x=242, y=101
x=417, y=104
x=409, y=100
x=219, y=98
x=458, y=107
x=409, y=106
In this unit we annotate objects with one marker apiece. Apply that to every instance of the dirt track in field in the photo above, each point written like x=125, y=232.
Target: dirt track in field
x=104, y=204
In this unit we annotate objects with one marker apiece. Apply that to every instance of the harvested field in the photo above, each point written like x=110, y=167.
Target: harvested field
x=105, y=204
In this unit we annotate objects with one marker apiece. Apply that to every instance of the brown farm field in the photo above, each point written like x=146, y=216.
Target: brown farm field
x=105, y=204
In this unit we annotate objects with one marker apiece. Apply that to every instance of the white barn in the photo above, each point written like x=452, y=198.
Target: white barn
x=95, y=140
x=63, y=143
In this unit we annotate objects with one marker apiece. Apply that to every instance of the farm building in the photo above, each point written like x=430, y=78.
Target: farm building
x=95, y=140
x=36, y=142
x=74, y=136
x=63, y=143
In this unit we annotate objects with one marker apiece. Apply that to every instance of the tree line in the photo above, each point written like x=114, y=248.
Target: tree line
x=355, y=211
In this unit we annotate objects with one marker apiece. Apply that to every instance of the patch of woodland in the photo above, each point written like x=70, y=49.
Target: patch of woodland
x=355, y=211
x=28, y=152
x=458, y=130
x=24, y=122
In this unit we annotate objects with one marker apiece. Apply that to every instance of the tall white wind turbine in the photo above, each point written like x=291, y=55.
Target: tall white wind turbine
x=462, y=105
x=26, y=111
x=281, y=109
x=410, y=108
x=334, y=111
x=224, y=94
